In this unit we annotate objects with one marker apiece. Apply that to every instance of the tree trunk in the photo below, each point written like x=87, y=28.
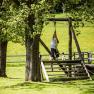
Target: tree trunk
x=35, y=67
x=3, y=53
x=32, y=51
x=28, y=44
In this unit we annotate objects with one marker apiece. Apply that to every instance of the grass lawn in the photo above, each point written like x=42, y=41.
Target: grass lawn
x=15, y=84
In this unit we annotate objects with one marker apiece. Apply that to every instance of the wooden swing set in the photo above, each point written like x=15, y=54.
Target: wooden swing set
x=69, y=67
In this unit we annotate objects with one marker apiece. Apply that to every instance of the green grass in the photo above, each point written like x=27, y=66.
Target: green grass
x=15, y=49
x=15, y=84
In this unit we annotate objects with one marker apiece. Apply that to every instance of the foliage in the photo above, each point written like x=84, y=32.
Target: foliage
x=13, y=22
x=40, y=12
x=82, y=10
x=14, y=18
x=14, y=15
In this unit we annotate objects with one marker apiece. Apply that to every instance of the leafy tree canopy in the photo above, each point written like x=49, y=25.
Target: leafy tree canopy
x=14, y=18
x=14, y=15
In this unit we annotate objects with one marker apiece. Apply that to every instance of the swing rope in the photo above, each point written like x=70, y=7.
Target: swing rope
x=55, y=26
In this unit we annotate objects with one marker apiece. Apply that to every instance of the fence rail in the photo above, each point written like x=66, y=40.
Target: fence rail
x=87, y=56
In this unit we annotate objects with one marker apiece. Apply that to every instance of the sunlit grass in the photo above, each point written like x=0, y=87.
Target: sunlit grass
x=15, y=84
x=15, y=49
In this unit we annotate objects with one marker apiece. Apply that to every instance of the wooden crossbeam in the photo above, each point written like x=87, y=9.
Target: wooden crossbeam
x=62, y=61
x=63, y=19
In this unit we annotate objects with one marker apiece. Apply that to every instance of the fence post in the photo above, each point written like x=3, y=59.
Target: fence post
x=74, y=55
x=89, y=57
x=82, y=55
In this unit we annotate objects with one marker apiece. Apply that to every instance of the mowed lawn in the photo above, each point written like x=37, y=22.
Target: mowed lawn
x=15, y=83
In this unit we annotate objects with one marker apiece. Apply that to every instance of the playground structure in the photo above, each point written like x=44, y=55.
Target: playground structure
x=60, y=69
x=72, y=68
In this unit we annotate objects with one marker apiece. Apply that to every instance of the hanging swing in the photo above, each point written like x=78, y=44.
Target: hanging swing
x=54, y=43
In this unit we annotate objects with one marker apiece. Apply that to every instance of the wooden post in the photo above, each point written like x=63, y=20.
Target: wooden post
x=79, y=52
x=83, y=56
x=44, y=72
x=70, y=44
x=89, y=57
x=74, y=55
x=70, y=39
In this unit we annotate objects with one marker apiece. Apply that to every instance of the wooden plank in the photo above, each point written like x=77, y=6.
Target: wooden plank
x=63, y=19
x=44, y=72
x=54, y=71
x=60, y=65
x=62, y=61
x=44, y=45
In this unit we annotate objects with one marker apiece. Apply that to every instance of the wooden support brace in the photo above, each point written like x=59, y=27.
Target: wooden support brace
x=44, y=72
x=44, y=45
x=79, y=52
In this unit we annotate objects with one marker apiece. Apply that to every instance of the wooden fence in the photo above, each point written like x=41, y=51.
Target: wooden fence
x=88, y=57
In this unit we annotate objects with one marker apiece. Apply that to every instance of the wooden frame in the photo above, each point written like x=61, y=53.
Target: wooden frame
x=71, y=34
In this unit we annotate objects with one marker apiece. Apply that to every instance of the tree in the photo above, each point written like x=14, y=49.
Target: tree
x=81, y=9
x=12, y=28
x=23, y=22
x=35, y=24
x=3, y=46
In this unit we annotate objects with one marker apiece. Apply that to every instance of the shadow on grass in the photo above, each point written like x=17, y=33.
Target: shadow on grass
x=28, y=85
x=88, y=87
x=15, y=64
x=85, y=86
x=34, y=85
x=13, y=78
x=89, y=91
